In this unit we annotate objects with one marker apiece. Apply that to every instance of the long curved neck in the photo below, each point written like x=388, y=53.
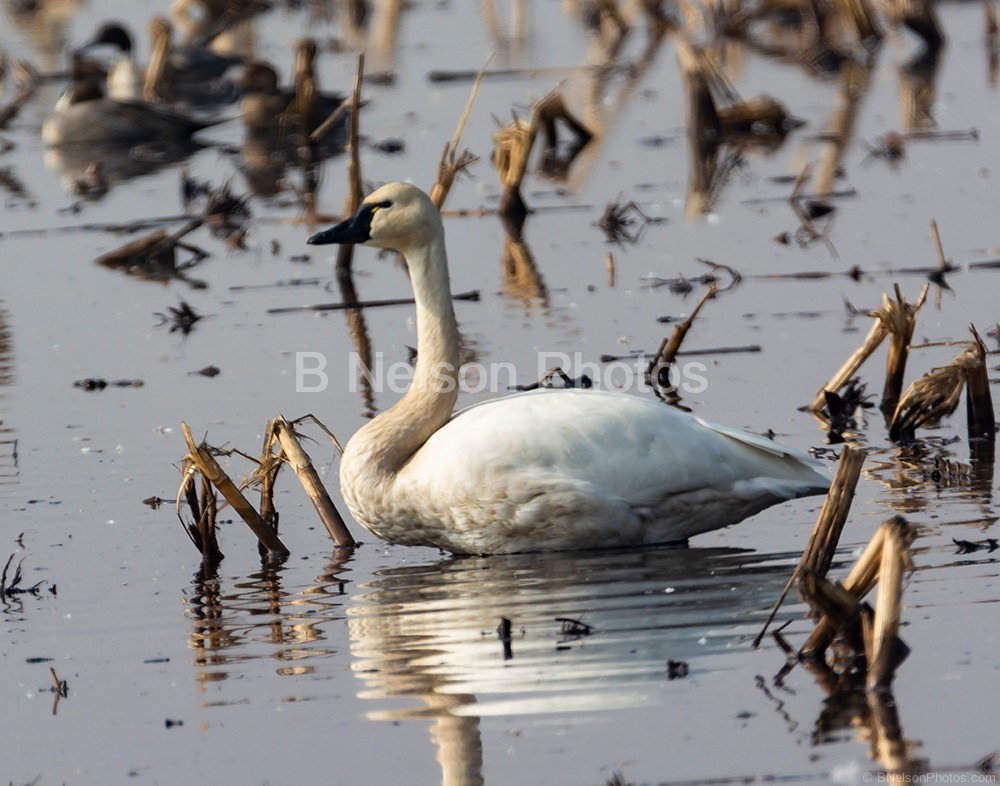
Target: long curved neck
x=399, y=432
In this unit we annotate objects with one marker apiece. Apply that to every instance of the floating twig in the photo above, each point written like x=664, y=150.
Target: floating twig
x=154, y=256
x=745, y=349
x=547, y=381
x=471, y=295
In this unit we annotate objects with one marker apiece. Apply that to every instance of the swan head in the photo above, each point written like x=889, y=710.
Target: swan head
x=397, y=216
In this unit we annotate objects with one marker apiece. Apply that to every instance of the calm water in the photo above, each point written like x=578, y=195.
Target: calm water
x=383, y=666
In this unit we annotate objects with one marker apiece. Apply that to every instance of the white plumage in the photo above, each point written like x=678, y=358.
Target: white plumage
x=545, y=470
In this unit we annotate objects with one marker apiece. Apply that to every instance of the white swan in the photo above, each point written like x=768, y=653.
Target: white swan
x=538, y=471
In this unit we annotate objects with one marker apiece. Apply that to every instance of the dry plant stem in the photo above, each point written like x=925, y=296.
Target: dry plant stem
x=740, y=118
x=512, y=146
x=872, y=341
x=345, y=253
x=819, y=551
x=921, y=18
x=334, y=117
x=511, y=152
x=148, y=246
x=884, y=648
x=322, y=427
x=888, y=745
x=702, y=115
x=349, y=304
x=900, y=319
x=895, y=318
x=863, y=19
x=210, y=468
x=859, y=582
x=667, y=351
x=268, y=472
x=155, y=78
x=203, y=511
x=978, y=399
x=836, y=606
x=451, y=163
x=609, y=10
x=818, y=554
x=934, y=396
x=306, y=473
x=24, y=93
x=938, y=247
x=206, y=521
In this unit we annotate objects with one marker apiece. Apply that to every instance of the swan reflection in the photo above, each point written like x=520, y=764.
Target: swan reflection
x=424, y=641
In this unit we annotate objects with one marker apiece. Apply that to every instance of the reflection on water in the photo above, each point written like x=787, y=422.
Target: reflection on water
x=8, y=436
x=117, y=163
x=257, y=617
x=427, y=633
x=916, y=476
x=872, y=715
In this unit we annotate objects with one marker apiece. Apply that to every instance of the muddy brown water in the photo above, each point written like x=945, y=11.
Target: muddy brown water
x=383, y=666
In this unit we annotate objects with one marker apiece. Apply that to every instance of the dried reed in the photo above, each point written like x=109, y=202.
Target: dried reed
x=895, y=317
x=154, y=254
x=345, y=253
x=203, y=510
x=884, y=650
x=206, y=464
x=452, y=163
x=936, y=395
x=299, y=460
x=859, y=582
x=513, y=144
x=921, y=18
x=818, y=554
x=667, y=351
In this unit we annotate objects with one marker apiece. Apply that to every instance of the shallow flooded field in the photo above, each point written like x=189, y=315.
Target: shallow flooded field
x=382, y=664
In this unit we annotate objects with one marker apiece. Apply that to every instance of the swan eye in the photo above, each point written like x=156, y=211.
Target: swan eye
x=378, y=206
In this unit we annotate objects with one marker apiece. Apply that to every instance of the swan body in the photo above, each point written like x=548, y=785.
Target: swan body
x=538, y=471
